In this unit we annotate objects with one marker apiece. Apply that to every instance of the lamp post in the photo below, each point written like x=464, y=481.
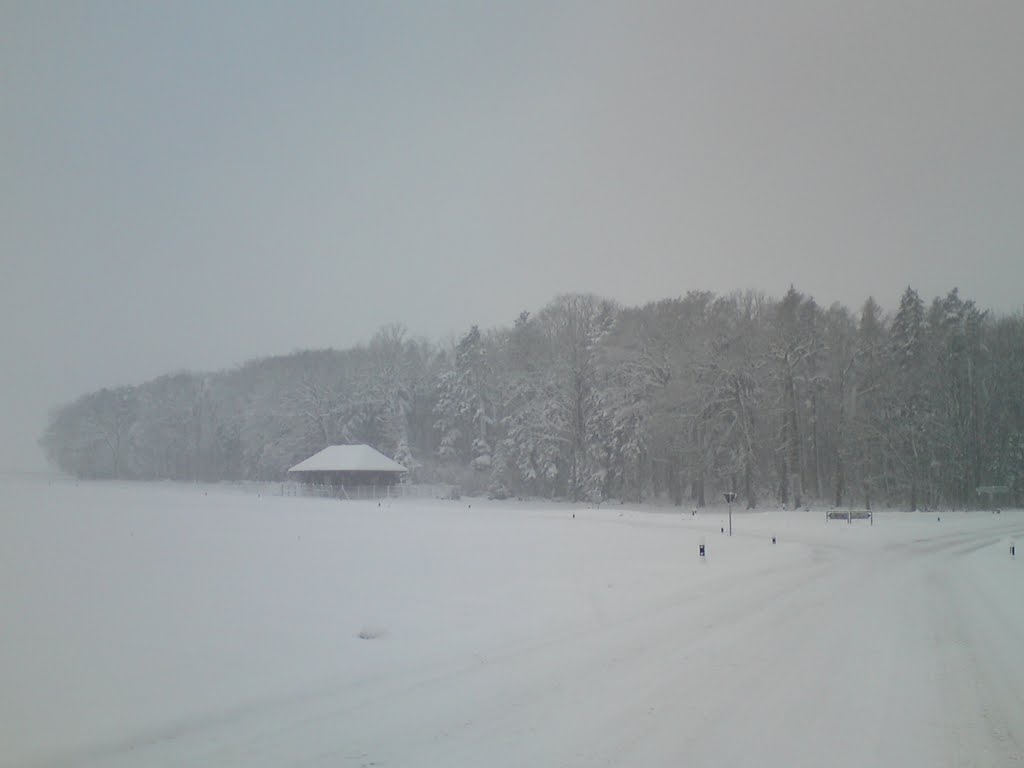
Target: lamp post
x=730, y=497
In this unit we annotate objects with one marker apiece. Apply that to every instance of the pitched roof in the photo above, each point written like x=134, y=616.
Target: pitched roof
x=348, y=458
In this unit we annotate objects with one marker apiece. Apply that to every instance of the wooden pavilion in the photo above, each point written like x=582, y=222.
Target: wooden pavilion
x=348, y=466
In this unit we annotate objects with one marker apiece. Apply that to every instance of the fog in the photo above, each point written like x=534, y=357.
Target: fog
x=189, y=186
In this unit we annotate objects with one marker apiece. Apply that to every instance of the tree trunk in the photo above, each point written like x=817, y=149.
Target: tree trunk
x=748, y=483
x=840, y=477
x=814, y=444
x=784, y=482
x=675, y=484
x=796, y=455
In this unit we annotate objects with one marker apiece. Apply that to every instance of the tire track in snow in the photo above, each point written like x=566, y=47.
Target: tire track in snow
x=705, y=674
x=490, y=690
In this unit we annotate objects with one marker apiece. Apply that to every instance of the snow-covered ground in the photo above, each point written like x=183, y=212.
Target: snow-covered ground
x=169, y=625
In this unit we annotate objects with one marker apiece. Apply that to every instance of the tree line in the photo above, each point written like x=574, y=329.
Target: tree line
x=780, y=400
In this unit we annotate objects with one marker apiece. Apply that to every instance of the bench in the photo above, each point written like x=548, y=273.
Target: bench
x=849, y=515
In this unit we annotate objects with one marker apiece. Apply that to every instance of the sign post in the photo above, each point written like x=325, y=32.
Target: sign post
x=730, y=497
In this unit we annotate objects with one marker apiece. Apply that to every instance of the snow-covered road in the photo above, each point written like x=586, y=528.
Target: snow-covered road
x=182, y=626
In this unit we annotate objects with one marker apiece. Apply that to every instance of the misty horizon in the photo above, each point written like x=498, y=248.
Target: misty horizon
x=188, y=187
x=449, y=337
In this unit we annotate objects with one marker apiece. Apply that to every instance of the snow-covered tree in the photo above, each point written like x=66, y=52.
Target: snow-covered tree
x=464, y=407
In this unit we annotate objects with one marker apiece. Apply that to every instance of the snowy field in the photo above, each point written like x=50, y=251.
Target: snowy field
x=170, y=625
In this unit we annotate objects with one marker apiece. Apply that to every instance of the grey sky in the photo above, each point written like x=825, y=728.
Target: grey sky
x=191, y=185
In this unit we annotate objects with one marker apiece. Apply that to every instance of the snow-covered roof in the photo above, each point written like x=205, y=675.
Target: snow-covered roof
x=348, y=458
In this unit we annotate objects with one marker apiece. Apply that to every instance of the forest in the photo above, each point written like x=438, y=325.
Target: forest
x=782, y=401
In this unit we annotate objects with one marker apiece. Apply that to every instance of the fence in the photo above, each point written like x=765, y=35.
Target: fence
x=371, y=492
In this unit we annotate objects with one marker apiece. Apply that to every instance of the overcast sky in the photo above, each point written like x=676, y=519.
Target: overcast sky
x=192, y=185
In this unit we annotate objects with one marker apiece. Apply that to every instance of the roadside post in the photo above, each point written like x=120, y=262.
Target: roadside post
x=730, y=497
